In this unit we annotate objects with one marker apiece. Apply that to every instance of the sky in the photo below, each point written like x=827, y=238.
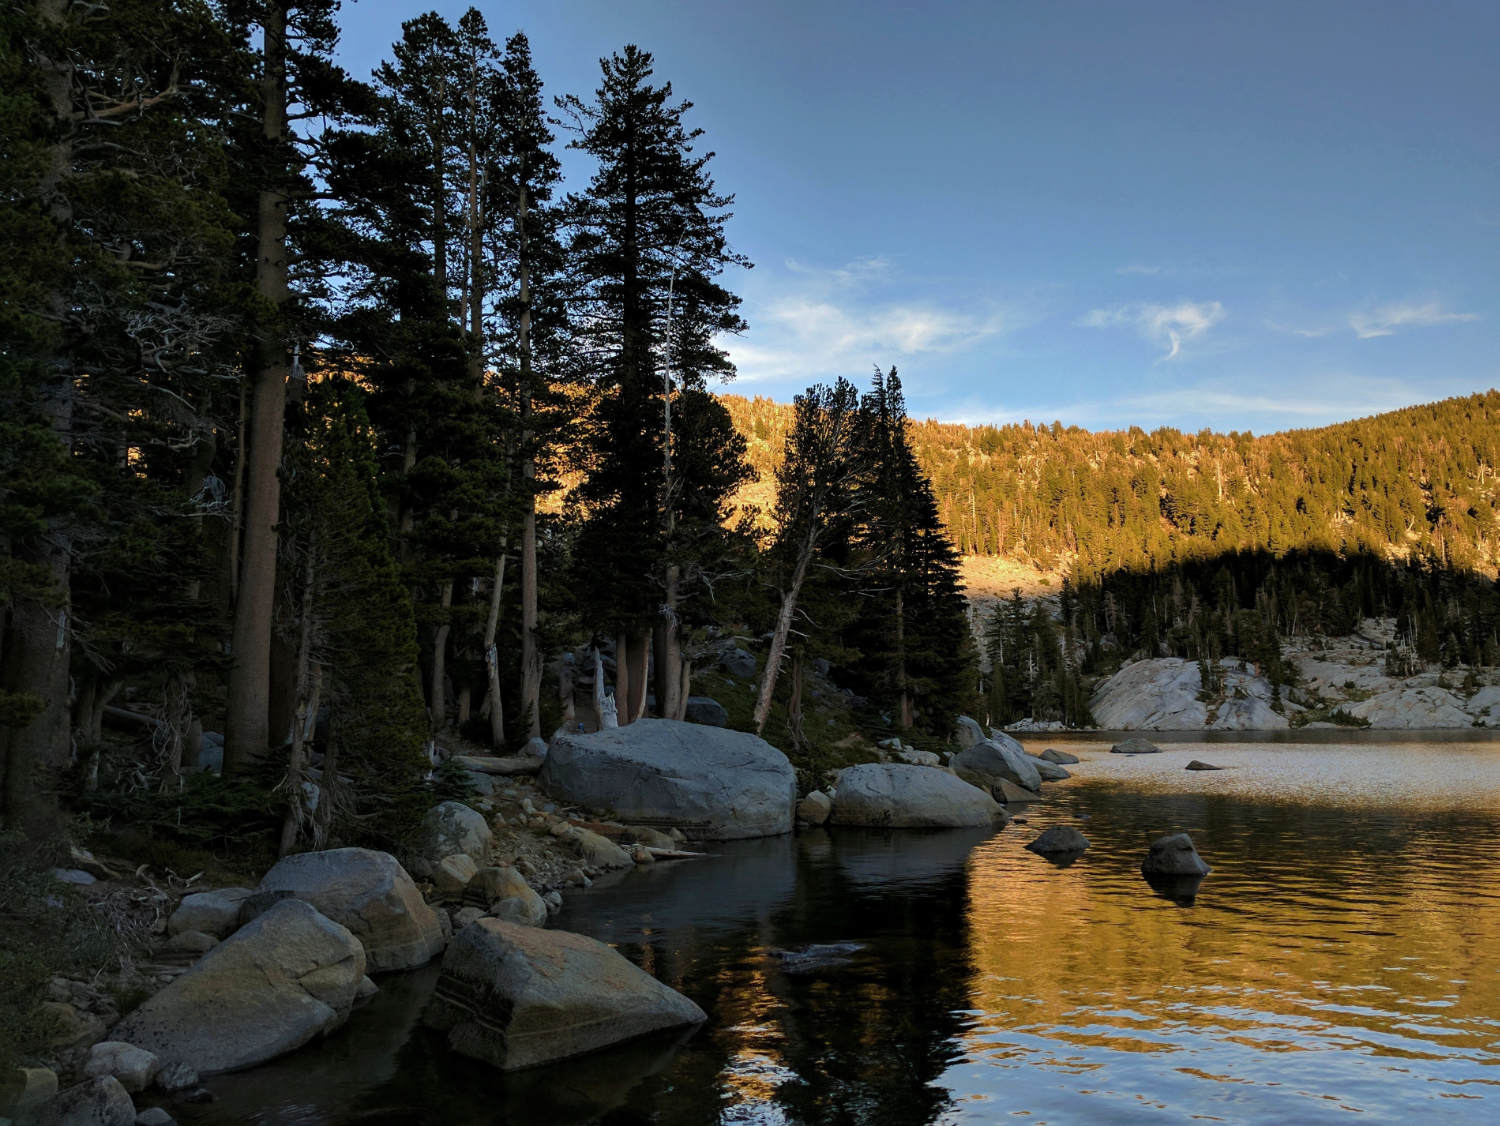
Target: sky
x=1201, y=214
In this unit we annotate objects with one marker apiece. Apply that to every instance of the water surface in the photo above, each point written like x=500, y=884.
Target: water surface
x=1340, y=963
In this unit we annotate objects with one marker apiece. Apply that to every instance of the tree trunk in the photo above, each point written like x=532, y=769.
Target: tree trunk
x=906, y=712
x=293, y=780
x=492, y=659
x=778, y=638
x=622, y=679
x=438, y=701
x=531, y=658
x=247, y=734
x=684, y=689
x=794, y=705
x=668, y=654
x=630, y=676
x=604, y=705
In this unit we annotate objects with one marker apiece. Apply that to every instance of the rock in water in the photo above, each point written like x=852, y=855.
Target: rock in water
x=815, y=808
x=279, y=981
x=154, y=1116
x=1174, y=856
x=1049, y=770
x=1011, y=794
x=899, y=796
x=712, y=783
x=969, y=733
x=371, y=894
x=1061, y=758
x=817, y=957
x=1059, y=839
x=212, y=912
x=707, y=711
x=1135, y=747
x=986, y=764
x=1196, y=765
x=453, y=827
x=99, y=1102
x=516, y=997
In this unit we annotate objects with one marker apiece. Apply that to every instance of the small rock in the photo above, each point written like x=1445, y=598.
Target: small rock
x=1196, y=765
x=576, y=878
x=1049, y=770
x=536, y=747
x=1061, y=758
x=561, y=829
x=134, y=1067
x=176, y=1077
x=529, y=910
x=1135, y=746
x=366, y=990
x=191, y=943
x=817, y=957
x=1174, y=856
x=596, y=850
x=738, y=663
x=464, y=916
x=642, y=855
x=198, y=1095
x=815, y=808
x=553, y=899
x=453, y=873
x=73, y=876
x=707, y=711
x=453, y=827
x=155, y=1116
x=445, y=925
x=214, y=912
x=99, y=1102
x=1059, y=839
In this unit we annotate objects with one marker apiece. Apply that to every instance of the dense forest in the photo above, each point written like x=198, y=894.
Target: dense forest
x=337, y=429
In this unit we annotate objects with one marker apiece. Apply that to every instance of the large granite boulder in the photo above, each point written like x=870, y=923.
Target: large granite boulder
x=371, y=894
x=451, y=827
x=1249, y=714
x=1160, y=694
x=711, y=783
x=1174, y=856
x=284, y=978
x=896, y=795
x=1423, y=707
x=969, y=732
x=986, y=764
x=516, y=996
x=99, y=1102
x=214, y=913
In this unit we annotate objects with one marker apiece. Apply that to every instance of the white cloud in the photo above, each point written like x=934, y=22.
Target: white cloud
x=1166, y=325
x=1388, y=318
x=823, y=322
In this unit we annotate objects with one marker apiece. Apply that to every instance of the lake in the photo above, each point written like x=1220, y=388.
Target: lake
x=1341, y=963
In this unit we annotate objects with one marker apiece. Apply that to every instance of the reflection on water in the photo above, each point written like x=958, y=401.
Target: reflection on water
x=1342, y=957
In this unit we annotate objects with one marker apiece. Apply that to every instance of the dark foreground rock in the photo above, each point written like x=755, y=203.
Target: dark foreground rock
x=1136, y=746
x=517, y=997
x=99, y=1102
x=824, y=956
x=279, y=981
x=1059, y=839
x=1197, y=765
x=1062, y=758
x=371, y=894
x=711, y=783
x=897, y=795
x=1174, y=856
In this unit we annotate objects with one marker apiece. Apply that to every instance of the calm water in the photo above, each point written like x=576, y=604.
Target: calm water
x=1341, y=963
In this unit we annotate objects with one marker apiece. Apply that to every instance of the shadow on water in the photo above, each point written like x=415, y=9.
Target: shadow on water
x=1343, y=956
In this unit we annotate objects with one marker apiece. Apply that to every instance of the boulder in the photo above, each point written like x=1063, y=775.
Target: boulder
x=366, y=990
x=713, y=783
x=1049, y=771
x=969, y=733
x=453, y=873
x=1250, y=714
x=1412, y=709
x=507, y=896
x=34, y=1086
x=1135, y=747
x=186, y=947
x=154, y=1116
x=72, y=1028
x=919, y=758
x=99, y=1102
x=900, y=796
x=453, y=827
x=815, y=808
x=738, y=663
x=522, y=911
x=597, y=850
x=706, y=710
x=1159, y=694
x=516, y=997
x=464, y=916
x=134, y=1067
x=1061, y=758
x=986, y=764
x=279, y=981
x=176, y=1077
x=1059, y=839
x=483, y=784
x=1197, y=765
x=1174, y=856
x=1008, y=792
x=371, y=894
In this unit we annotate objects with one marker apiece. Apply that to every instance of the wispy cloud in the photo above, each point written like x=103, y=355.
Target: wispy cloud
x=1386, y=320
x=1144, y=270
x=1169, y=326
x=822, y=322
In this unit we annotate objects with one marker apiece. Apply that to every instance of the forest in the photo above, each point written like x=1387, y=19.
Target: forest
x=336, y=425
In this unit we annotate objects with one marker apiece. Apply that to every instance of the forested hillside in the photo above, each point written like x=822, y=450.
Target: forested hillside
x=1417, y=483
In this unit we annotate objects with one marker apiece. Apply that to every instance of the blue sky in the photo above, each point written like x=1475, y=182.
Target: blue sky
x=1242, y=216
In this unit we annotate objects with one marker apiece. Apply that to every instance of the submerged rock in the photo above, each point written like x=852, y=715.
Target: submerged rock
x=1135, y=747
x=817, y=957
x=986, y=764
x=279, y=981
x=712, y=783
x=1174, y=856
x=516, y=997
x=1059, y=839
x=900, y=796
x=1061, y=758
x=371, y=894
